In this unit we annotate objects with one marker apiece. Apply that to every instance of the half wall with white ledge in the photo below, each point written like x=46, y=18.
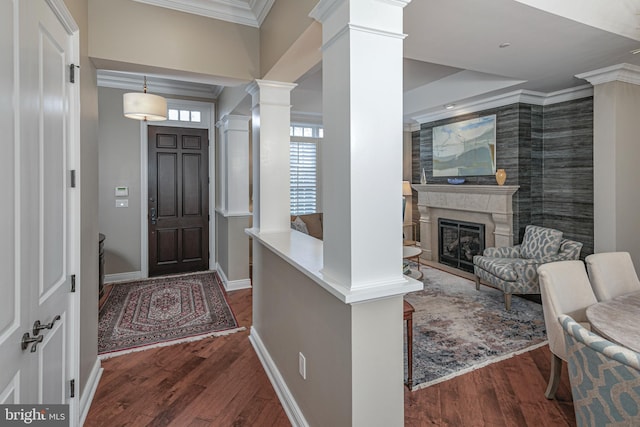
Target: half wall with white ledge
x=491, y=205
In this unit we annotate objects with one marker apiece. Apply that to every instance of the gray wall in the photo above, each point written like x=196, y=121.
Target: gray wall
x=547, y=151
x=566, y=172
x=119, y=166
x=353, y=377
x=293, y=314
x=233, y=246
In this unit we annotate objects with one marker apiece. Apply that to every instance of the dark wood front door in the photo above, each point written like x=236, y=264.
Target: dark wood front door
x=178, y=205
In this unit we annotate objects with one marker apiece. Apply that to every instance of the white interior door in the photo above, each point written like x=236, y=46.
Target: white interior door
x=14, y=304
x=43, y=217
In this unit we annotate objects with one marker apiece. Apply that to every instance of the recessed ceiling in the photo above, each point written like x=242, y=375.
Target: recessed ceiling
x=452, y=52
x=245, y=12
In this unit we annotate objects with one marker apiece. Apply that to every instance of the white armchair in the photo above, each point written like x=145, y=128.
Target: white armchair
x=612, y=274
x=565, y=289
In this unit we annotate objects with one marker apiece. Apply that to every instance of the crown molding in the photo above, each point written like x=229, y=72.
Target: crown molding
x=300, y=117
x=518, y=96
x=133, y=82
x=627, y=73
x=244, y=12
x=410, y=127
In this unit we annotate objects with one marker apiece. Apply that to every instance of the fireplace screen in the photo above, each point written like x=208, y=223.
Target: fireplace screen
x=458, y=242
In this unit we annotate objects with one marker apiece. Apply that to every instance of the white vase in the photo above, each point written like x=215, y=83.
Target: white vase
x=423, y=177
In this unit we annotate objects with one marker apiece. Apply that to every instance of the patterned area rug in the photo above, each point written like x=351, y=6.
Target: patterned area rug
x=163, y=311
x=457, y=329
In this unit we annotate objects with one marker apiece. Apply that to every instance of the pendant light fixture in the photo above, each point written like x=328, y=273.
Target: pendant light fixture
x=144, y=106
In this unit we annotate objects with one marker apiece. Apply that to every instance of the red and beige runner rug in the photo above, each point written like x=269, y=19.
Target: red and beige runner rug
x=163, y=311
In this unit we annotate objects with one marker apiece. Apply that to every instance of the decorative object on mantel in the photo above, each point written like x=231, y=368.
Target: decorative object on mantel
x=423, y=177
x=501, y=176
x=455, y=181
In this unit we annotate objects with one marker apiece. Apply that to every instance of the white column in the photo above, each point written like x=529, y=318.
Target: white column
x=233, y=244
x=362, y=118
x=235, y=161
x=616, y=102
x=271, y=118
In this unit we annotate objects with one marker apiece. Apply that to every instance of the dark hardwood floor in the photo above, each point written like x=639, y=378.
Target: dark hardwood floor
x=220, y=382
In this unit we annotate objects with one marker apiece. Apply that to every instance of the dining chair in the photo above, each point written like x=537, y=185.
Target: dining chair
x=612, y=274
x=565, y=289
x=604, y=377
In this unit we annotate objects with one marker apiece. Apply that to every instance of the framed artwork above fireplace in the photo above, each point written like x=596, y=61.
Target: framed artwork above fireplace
x=466, y=148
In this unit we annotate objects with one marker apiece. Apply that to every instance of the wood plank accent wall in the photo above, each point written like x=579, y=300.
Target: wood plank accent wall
x=567, y=170
x=547, y=151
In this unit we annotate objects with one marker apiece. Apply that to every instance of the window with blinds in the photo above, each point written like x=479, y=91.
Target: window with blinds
x=303, y=161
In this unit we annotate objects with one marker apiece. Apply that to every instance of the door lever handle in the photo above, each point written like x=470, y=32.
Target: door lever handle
x=153, y=215
x=37, y=327
x=26, y=340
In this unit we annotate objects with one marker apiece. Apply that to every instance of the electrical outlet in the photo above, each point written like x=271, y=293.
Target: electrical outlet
x=302, y=366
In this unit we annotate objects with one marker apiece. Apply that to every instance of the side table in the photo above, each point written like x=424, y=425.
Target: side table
x=412, y=253
x=408, y=317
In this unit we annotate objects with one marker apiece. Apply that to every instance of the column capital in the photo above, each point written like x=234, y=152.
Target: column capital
x=255, y=87
x=325, y=8
x=234, y=122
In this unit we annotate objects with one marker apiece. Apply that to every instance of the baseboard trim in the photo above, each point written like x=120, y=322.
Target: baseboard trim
x=123, y=277
x=232, y=285
x=291, y=408
x=89, y=390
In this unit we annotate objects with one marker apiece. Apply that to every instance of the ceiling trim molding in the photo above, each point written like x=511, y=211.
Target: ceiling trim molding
x=410, y=127
x=519, y=96
x=236, y=11
x=261, y=9
x=299, y=117
x=627, y=73
x=177, y=88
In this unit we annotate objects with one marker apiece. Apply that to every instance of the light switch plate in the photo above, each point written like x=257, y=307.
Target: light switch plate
x=122, y=203
x=122, y=191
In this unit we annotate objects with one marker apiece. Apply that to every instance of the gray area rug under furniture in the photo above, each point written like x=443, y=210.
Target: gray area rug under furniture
x=457, y=329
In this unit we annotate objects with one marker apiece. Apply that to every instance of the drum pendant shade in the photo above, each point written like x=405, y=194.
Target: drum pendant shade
x=144, y=106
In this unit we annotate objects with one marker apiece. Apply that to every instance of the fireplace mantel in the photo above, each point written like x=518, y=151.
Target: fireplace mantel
x=488, y=204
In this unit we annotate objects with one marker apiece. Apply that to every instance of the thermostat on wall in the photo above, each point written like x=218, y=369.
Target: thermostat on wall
x=122, y=191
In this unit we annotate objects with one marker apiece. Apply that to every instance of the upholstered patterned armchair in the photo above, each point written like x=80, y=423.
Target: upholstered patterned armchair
x=513, y=269
x=604, y=377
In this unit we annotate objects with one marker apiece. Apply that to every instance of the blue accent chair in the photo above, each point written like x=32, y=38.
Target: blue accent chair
x=604, y=377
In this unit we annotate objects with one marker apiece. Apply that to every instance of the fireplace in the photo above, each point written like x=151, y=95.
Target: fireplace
x=491, y=205
x=458, y=242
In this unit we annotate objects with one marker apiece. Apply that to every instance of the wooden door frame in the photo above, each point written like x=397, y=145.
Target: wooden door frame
x=144, y=180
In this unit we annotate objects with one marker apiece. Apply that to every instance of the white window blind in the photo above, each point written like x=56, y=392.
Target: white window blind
x=303, y=165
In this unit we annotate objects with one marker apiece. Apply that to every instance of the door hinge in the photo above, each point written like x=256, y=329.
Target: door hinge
x=72, y=388
x=73, y=178
x=72, y=72
x=73, y=283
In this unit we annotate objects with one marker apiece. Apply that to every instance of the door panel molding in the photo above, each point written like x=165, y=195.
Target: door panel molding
x=52, y=349
x=9, y=395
